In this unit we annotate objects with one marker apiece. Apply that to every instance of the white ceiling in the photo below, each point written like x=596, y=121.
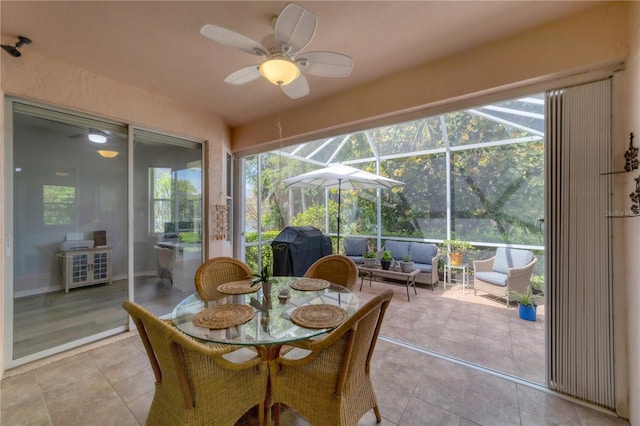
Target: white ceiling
x=157, y=46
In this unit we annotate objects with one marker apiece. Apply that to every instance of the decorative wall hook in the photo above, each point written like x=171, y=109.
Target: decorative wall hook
x=13, y=50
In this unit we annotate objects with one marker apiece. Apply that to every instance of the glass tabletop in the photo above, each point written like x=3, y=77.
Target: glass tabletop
x=270, y=324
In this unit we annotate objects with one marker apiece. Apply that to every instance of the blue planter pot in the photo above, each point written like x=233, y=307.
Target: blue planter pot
x=527, y=312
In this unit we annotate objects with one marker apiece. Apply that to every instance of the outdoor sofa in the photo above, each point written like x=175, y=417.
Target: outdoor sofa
x=423, y=255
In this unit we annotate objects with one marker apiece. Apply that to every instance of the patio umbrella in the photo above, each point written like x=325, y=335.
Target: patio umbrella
x=340, y=176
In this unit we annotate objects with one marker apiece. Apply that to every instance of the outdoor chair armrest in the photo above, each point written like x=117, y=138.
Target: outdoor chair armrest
x=520, y=278
x=483, y=265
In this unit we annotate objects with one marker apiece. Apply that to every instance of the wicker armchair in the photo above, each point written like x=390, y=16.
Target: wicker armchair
x=336, y=268
x=216, y=271
x=509, y=270
x=195, y=384
x=331, y=384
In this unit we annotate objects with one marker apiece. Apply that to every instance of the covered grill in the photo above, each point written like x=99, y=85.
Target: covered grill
x=296, y=248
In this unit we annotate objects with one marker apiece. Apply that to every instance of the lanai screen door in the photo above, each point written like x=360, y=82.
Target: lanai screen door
x=579, y=285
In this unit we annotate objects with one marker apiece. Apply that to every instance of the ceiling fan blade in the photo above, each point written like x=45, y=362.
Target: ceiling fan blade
x=233, y=39
x=243, y=75
x=295, y=27
x=297, y=88
x=325, y=64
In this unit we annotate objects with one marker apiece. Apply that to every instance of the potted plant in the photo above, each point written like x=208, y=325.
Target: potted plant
x=264, y=277
x=369, y=258
x=386, y=259
x=455, y=250
x=406, y=264
x=526, y=304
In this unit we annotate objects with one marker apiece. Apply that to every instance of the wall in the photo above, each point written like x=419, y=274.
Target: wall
x=39, y=78
x=630, y=235
x=585, y=41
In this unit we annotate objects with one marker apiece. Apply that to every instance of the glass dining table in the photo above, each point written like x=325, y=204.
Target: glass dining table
x=270, y=325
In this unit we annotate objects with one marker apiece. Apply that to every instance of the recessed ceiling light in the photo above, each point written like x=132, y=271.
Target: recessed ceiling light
x=108, y=154
x=61, y=174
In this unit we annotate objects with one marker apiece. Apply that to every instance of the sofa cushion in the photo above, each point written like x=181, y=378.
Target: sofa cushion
x=354, y=246
x=398, y=249
x=423, y=267
x=507, y=258
x=422, y=252
x=492, y=277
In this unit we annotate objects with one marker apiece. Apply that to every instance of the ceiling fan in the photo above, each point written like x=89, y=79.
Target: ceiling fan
x=283, y=63
x=94, y=135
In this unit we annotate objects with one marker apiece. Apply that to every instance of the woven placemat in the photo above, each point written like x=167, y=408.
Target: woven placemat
x=223, y=316
x=318, y=316
x=309, y=284
x=239, y=287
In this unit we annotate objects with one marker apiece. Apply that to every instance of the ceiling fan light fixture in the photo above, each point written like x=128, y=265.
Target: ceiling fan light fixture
x=108, y=154
x=97, y=137
x=279, y=70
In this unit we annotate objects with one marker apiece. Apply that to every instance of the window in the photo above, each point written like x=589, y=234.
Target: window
x=59, y=204
x=160, y=179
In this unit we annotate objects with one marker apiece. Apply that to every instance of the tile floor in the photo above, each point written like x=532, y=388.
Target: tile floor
x=110, y=382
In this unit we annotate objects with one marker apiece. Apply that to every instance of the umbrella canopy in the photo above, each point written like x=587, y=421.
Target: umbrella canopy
x=340, y=176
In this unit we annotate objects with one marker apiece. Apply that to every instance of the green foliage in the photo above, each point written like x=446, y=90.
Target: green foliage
x=527, y=298
x=406, y=258
x=537, y=283
x=264, y=275
x=386, y=256
x=455, y=246
x=189, y=237
x=497, y=192
x=369, y=254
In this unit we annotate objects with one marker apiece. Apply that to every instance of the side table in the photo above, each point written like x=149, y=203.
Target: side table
x=447, y=275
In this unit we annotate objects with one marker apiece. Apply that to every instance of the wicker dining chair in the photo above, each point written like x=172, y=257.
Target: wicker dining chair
x=216, y=271
x=195, y=383
x=337, y=268
x=331, y=385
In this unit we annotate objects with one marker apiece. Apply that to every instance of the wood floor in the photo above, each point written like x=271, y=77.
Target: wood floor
x=48, y=320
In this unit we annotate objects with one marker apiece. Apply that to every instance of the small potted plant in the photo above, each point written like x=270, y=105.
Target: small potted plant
x=456, y=249
x=406, y=264
x=527, y=303
x=369, y=258
x=386, y=259
x=264, y=277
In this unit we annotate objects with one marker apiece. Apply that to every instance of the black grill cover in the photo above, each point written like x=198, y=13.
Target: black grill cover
x=296, y=248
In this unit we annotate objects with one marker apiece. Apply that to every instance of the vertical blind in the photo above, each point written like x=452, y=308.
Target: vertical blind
x=578, y=282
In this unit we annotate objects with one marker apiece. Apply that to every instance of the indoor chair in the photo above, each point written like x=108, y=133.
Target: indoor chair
x=165, y=262
x=331, y=384
x=336, y=268
x=216, y=271
x=195, y=384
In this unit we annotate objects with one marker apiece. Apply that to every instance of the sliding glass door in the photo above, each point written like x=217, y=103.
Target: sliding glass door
x=167, y=205
x=81, y=214
x=69, y=257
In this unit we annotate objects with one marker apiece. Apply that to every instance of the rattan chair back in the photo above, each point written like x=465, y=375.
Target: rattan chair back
x=195, y=385
x=331, y=384
x=216, y=271
x=336, y=268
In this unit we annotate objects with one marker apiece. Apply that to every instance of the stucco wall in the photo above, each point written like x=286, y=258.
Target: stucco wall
x=585, y=41
x=39, y=78
x=44, y=79
x=631, y=227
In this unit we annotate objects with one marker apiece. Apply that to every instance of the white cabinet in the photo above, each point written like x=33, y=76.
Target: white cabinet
x=79, y=268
